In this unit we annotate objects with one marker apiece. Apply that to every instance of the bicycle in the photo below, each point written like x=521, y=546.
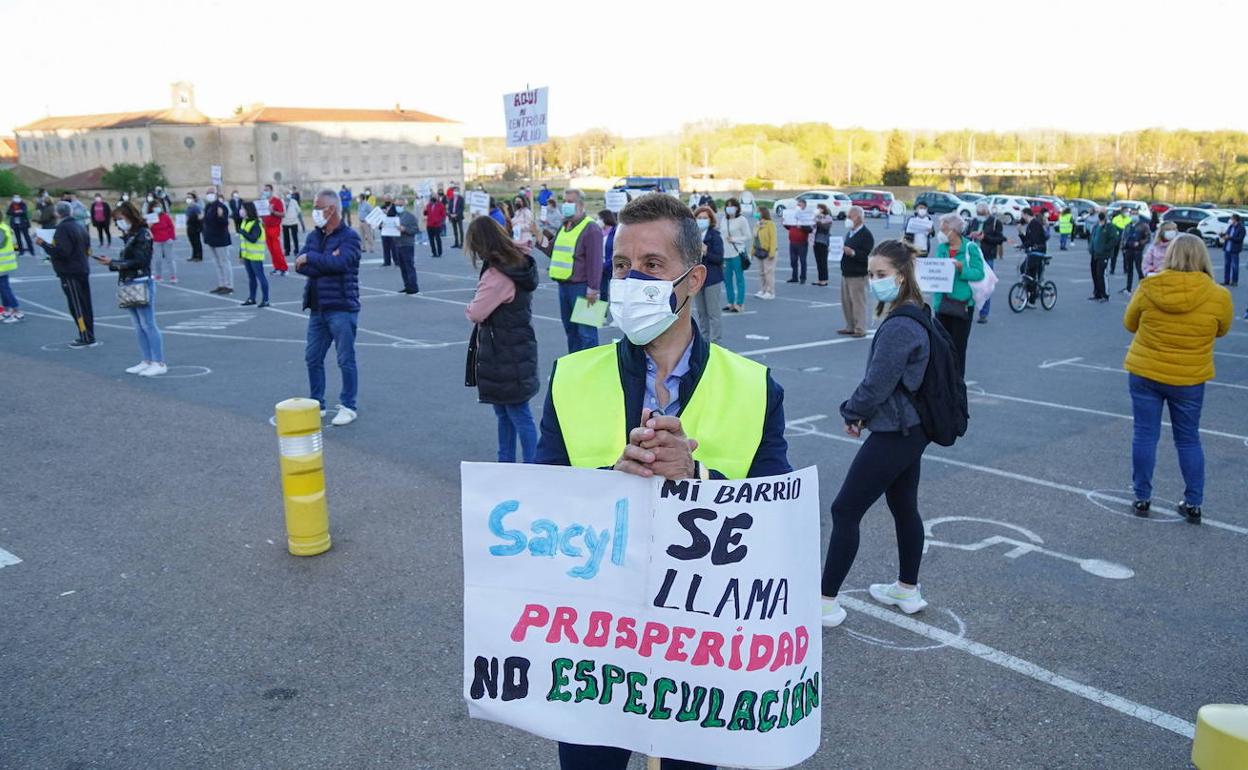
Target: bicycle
x=1028, y=287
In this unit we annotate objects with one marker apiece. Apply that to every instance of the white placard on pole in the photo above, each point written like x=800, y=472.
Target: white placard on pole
x=478, y=202
x=262, y=207
x=525, y=112
x=375, y=216
x=677, y=619
x=934, y=275
x=616, y=200
x=805, y=218
x=216, y=176
x=836, y=247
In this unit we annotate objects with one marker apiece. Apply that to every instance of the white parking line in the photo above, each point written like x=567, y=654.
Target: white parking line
x=8, y=559
x=1085, y=410
x=804, y=345
x=806, y=429
x=1026, y=668
x=1077, y=362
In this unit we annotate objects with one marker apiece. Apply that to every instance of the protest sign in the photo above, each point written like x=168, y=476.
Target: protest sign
x=216, y=176
x=179, y=221
x=679, y=619
x=478, y=202
x=262, y=207
x=934, y=275
x=896, y=219
x=151, y=217
x=917, y=226
x=375, y=216
x=390, y=227
x=46, y=235
x=836, y=247
x=805, y=217
x=789, y=217
x=525, y=112
x=616, y=200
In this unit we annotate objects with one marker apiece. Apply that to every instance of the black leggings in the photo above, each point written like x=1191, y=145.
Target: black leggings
x=435, y=240
x=960, y=333
x=886, y=464
x=290, y=238
x=1132, y=265
x=103, y=230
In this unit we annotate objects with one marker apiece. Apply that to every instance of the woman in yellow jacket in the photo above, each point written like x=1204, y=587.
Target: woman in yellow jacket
x=765, y=239
x=1175, y=316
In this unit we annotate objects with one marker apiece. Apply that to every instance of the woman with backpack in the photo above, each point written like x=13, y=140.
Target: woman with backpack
x=887, y=463
x=956, y=308
x=505, y=368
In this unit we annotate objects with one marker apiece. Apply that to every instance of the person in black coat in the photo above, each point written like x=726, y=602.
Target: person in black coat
x=1035, y=243
x=455, y=213
x=505, y=366
x=134, y=266
x=68, y=253
x=989, y=232
x=216, y=221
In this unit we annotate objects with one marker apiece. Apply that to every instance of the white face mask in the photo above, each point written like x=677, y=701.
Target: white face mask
x=400, y=209
x=17, y=199
x=318, y=218
x=644, y=307
x=189, y=201
x=920, y=212
x=849, y=224
x=730, y=211
x=942, y=237
x=151, y=198
x=157, y=209
x=1169, y=234
x=211, y=197
x=704, y=224
x=123, y=224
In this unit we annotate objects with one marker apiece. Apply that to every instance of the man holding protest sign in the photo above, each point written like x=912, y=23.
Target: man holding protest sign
x=662, y=402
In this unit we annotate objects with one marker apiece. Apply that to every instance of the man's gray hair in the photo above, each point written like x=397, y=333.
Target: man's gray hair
x=855, y=210
x=655, y=207
x=953, y=220
x=331, y=196
x=981, y=208
x=580, y=196
x=64, y=210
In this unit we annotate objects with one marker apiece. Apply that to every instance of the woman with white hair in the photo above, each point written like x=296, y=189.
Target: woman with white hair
x=954, y=309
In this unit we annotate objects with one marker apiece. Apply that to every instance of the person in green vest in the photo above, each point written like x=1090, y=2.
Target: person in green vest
x=575, y=252
x=251, y=247
x=1122, y=220
x=663, y=402
x=8, y=263
x=1065, y=227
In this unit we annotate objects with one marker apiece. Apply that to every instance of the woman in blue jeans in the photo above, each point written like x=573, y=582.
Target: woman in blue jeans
x=134, y=266
x=1175, y=315
x=506, y=359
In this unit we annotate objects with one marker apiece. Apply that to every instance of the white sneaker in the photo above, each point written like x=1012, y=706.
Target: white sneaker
x=833, y=613
x=154, y=370
x=14, y=317
x=138, y=368
x=345, y=416
x=770, y=295
x=760, y=294
x=908, y=600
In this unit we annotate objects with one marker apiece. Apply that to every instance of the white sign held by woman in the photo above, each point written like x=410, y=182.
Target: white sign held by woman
x=478, y=202
x=934, y=275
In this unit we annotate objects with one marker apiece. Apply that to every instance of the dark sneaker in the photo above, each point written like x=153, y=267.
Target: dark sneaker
x=248, y=301
x=1140, y=507
x=1189, y=512
x=79, y=344
x=263, y=304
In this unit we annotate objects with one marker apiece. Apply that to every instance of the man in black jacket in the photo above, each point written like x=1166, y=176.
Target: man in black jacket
x=1036, y=246
x=989, y=233
x=455, y=212
x=68, y=251
x=858, y=246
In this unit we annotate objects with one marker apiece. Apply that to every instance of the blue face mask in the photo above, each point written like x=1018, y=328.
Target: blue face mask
x=568, y=210
x=885, y=289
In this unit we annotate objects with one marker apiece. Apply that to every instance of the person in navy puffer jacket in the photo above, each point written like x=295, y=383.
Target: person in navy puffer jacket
x=330, y=260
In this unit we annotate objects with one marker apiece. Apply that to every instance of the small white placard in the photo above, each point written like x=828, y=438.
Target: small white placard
x=45, y=235
x=789, y=218
x=805, y=218
x=616, y=200
x=262, y=207
x=934, y=275
x=375, y=216
x=917, y=226
x=179, y=221
x=836, y=247
x=152, y=218
x=478, y=202
x=390, y=227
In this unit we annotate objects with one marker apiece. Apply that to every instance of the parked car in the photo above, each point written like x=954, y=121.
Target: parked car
x=1045, y=207
x=1206, y=205
x=635, y=186
x=873, y=202
x=1085, y=212
x=1213, y=225
x=837, y=202
x=1159, y=208
x=938, y=202
x=1136, y=208
x=1186, y=218
x=1009, y=207
x=971, y=197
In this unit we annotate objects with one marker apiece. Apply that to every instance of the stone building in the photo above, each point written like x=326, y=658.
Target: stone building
x=381, y=149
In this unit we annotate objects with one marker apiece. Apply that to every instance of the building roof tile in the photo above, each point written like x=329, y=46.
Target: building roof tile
x=264, y=114
x=117, y=120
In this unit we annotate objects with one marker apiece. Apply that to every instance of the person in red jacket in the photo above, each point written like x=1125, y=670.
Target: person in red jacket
x=161, y=225
x=799, y=237
x=435, y=222
x=273, y=230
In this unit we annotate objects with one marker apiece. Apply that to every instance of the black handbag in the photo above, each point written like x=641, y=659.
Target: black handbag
x=954, y=308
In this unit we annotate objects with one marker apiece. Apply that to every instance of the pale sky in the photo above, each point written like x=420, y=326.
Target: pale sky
x=643, y=67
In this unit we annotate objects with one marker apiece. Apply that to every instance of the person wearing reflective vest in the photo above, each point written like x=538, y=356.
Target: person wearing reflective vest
x=1065, y=227
x=575, y=266
x=662, y=402
x=8, y=263
x=1122, y=220
x=251, y=247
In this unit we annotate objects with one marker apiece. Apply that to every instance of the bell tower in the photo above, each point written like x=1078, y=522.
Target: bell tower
x=182, y=96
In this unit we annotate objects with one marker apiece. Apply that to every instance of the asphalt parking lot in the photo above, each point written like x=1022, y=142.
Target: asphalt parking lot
x=155, y=620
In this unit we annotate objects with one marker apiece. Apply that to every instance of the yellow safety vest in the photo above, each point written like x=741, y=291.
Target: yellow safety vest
x=561, y=255
x=1121, y=221
x=8, y=254
x=248, y=250
x=1065, y=224
x=725, y=413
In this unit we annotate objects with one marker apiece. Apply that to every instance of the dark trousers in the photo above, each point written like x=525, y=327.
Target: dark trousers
x=197, y=244
x=887, y=464
x=457, y=230
x=1230, y=268
x=579, y=336
x=290, y=238
x=346, y=215
x=405, y=255
x=23, y=233
x=797, y=259
x=238, y=223
x=387, y=251
x=255, y=275
x=77, y=290
x=573, y=756
x=1113, y=260
x=1098, y=278
x=960, y=331
x=104, y=232
x=1132, y=265
x=821, y=261
x=1032, y=267
x=435, y=240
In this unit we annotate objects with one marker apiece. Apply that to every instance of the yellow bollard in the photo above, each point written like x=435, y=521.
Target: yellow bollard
x=1221, y=741
x=303, y=476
